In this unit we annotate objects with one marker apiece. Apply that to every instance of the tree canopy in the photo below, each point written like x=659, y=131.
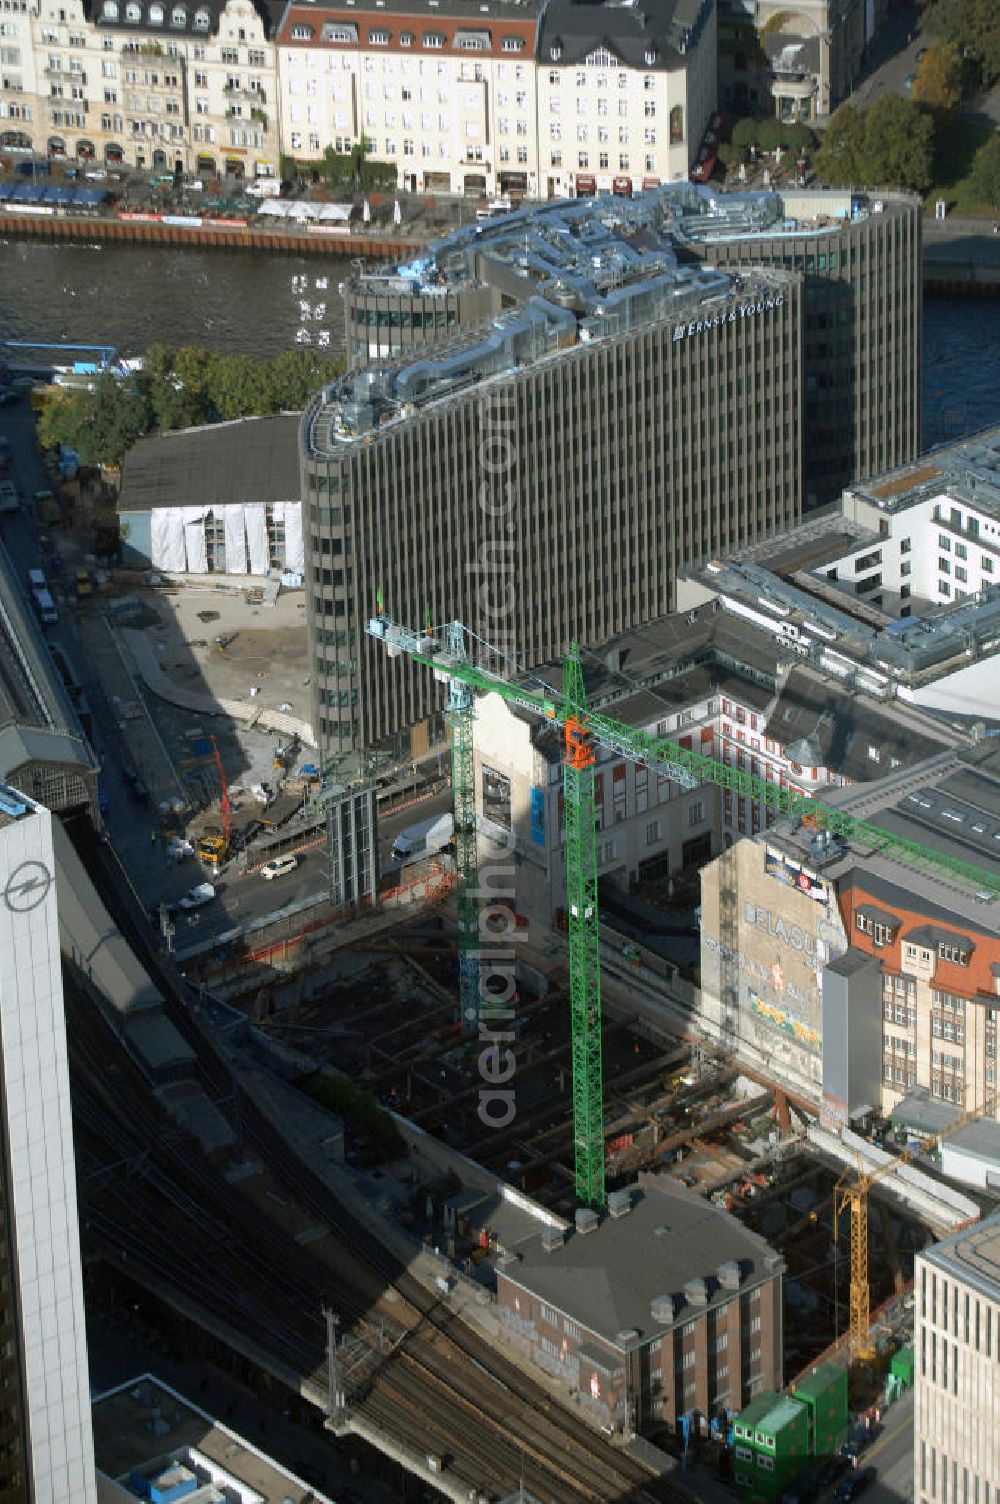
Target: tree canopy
x=178, y=389
x=972, y=26
x=939, y=79
x=889, y=145
x=985, y=174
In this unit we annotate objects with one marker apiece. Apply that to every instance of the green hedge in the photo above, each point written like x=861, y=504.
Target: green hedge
x=768, y=133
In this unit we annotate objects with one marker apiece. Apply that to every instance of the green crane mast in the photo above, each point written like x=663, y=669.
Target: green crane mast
x=583, y=730
x=460, y=718
x=584, y=939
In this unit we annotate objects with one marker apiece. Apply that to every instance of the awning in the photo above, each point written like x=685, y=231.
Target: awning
x=648, y=183
x=585, y=184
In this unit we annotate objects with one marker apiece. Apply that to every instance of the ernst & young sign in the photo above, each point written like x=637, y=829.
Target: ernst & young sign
x=733, y=316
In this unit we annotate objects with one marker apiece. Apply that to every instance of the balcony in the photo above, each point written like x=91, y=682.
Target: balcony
x=243, y=91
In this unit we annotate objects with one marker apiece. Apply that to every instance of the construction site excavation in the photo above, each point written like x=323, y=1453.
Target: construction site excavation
x=383, y=1016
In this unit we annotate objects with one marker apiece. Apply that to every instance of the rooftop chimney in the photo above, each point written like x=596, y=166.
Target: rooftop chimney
x=552, y=1238
x=729, y=1275
x=662, y=1310
x=696, y=1292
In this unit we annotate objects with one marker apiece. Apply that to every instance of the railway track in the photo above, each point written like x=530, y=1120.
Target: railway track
x=487, y=1416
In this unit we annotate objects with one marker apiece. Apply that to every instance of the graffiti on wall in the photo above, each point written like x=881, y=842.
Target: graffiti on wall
x=783, y=1020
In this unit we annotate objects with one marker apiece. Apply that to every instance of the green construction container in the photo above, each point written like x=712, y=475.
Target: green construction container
x=901, y=1367
x=781, y=1444
x=824, y=1393
x=745, y=1423
x=745, y=1472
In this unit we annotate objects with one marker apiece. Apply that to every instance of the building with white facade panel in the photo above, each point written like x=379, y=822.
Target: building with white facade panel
x=218, y=499
x=896, y=593
x=46, y=1443
x=161, y=85
x=956, y=1390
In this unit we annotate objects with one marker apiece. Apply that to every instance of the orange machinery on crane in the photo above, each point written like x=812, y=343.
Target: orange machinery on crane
x=213, y=847
x=853, y=1194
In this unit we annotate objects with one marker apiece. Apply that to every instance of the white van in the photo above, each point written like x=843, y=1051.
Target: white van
x=46, y=607
x=278, y=867
x=264, y=188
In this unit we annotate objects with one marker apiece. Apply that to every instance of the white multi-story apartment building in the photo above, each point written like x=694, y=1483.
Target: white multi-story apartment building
x=47, y=1451
x=956, y=1335
x=158, y=85
x=444, y=89
x=624, y=94
x=501, y=96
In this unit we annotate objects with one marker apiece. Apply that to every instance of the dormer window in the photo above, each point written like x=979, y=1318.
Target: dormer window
x=555, y=50
x=406, y=39
x=433, y=39
x=133, y=12
x=511, y=44
x=339, y=33
x=178, y=16
x=156, y=15
x=378, y=39
x=110, y=10
x=301, y=33
x=202, y=20
x=649, y=56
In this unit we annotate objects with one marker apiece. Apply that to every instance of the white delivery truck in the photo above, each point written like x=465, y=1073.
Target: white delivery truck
x=426, y=838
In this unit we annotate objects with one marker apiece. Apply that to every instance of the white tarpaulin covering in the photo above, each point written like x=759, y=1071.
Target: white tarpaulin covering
x=194, y=540
x=236, y=539
x=294, y=555
x=257, y=537
x=167, y=539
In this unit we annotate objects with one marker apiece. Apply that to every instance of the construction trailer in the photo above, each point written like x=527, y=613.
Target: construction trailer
x=824, y=1394
x=778, y=1438
x=744, y=1428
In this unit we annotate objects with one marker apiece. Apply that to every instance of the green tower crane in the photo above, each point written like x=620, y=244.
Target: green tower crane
x=459, y=714
x=584, y=939
x=583, y=730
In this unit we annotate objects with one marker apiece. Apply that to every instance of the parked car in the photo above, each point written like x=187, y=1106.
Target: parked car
x=831, y=1470
x=859, y=1439
x=134, y=785
x=200, y=894
x=854, y=1484
x=278, y=867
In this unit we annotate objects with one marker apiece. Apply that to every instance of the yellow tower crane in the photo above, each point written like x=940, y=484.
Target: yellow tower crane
x=853, y=1194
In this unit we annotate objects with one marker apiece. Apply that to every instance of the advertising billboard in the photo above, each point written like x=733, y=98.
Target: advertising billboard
x=792, y=873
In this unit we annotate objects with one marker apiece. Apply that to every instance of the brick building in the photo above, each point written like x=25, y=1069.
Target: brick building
x=665, y=1306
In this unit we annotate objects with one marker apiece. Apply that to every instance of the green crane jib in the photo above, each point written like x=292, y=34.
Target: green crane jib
x=583, y=729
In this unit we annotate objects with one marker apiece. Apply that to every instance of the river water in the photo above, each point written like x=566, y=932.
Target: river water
x=257, y=304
